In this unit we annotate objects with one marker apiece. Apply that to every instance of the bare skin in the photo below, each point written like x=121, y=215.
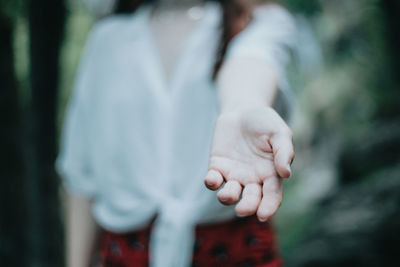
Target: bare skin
x=252, y=148
x=81, y=231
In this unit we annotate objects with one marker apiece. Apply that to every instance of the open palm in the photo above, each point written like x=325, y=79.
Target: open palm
x=251, y=152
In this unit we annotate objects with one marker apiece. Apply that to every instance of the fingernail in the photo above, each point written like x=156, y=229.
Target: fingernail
x=223, y=199
x=262, y=220
x=289, y=168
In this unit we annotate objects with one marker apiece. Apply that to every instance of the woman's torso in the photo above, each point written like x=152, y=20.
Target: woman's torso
x=155, y=129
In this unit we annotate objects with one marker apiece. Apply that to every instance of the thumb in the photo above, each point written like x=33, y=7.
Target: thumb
x=282, y=146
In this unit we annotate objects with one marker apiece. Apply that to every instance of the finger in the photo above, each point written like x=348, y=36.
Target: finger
x=251, y=198
x=272, y=198
x=282, y=146
x=213, y=180
x=230, y=193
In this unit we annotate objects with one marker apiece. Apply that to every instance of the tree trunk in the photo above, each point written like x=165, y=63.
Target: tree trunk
x=46, y=29
x=13, y=209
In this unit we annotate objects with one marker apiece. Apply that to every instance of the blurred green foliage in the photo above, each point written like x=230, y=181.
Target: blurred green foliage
x=12, y=9
x=347, y=141
x=307, y=7
x=78, y=26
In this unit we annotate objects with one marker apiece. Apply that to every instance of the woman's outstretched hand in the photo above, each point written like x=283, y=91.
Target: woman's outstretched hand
x=252, y=151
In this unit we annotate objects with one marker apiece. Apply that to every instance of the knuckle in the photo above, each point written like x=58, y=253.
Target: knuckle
x=286, y=132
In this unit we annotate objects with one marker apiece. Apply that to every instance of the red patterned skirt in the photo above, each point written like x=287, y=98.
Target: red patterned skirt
x=241, y=242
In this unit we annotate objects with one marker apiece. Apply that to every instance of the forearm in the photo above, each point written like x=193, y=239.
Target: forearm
x=257, y=57
x=246, y=83
x=81, y=231
x=250, y=139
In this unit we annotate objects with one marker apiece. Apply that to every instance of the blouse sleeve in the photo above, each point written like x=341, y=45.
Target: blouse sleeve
x=74, y=163
x=270, y=36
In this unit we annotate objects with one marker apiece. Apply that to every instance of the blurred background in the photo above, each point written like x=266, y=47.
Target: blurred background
x=342, y=207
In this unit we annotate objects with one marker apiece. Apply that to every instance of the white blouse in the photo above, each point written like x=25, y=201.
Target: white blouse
x=139, y=146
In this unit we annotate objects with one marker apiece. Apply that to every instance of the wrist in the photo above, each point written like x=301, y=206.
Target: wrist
x=259, y=118
x=245, y=105
x=244, y=108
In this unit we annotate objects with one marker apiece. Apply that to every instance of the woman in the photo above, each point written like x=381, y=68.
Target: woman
x=147, y=121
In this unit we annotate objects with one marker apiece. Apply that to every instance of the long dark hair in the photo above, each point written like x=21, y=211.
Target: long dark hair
x=235, y=18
